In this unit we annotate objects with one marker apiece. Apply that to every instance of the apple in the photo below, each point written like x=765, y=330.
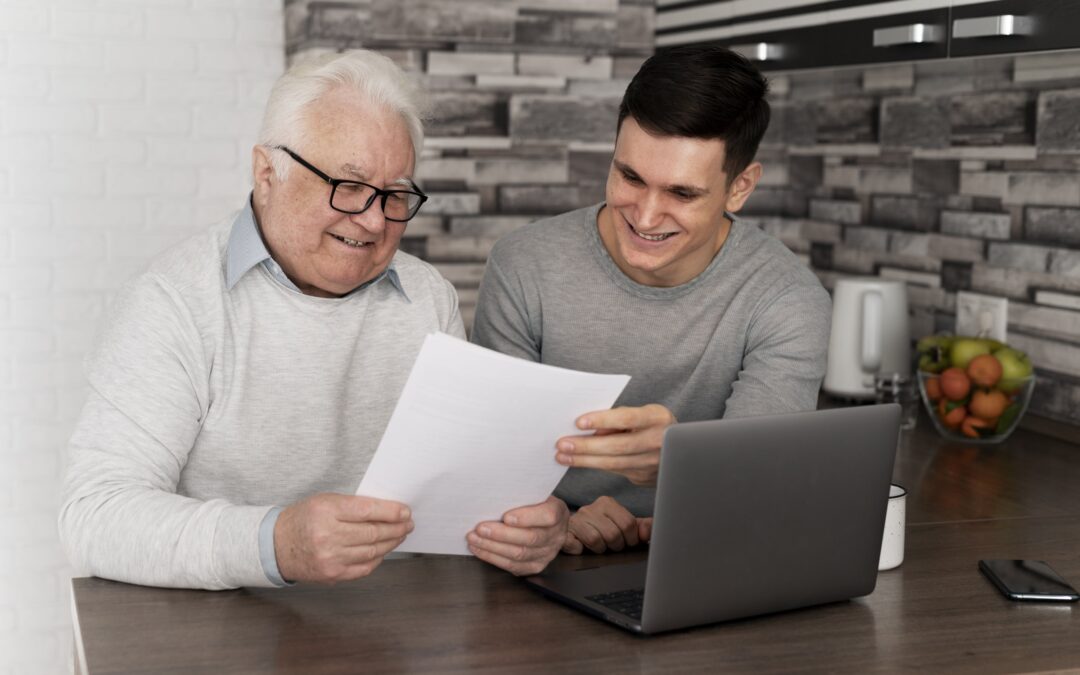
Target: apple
x=964, y=349
x=930, y=342
x=933, y=352
x=1015, y=368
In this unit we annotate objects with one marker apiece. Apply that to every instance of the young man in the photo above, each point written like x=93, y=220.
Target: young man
x=710, y=317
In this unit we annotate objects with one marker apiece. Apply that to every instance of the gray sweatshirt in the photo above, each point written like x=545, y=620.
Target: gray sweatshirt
x=747, y=336
x=209, y=404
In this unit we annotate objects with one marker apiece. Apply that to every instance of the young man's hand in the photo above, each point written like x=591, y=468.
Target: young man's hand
x=626, y=441
x=605, y=525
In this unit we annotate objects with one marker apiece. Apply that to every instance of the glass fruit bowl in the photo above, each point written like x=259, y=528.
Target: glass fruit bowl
x=983, y=415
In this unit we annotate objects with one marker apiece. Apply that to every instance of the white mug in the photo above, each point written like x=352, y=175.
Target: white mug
x=892, y=539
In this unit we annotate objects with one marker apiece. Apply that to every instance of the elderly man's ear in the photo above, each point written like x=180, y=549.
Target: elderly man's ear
x=262, y=174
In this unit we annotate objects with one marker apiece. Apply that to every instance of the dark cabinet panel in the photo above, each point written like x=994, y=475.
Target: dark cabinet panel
x=899, y=37
x=1035, y=25
x=998, y=27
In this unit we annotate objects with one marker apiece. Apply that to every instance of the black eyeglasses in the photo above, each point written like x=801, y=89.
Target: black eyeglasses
x=352, y=196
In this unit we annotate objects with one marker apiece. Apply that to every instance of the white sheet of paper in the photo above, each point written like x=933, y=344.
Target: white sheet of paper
x=473, y=436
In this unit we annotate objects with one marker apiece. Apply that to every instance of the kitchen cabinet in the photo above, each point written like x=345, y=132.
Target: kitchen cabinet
x=794, y=34
x=1014, y=26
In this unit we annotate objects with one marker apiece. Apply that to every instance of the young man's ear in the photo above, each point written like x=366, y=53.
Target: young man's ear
x=262, y=173
x=743, y=186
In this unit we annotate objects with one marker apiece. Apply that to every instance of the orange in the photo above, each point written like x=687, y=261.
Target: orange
x=955, y=417
x=933, y=388
x=955, y=384
x=971, y=426
x=984, y=370
x=988, y=403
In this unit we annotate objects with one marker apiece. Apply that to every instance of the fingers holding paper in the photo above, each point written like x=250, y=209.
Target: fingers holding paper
x=626, y=441
x=605, y=525
x=526, y=539
x=329, y=538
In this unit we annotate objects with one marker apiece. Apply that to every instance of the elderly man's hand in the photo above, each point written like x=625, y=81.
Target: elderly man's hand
x=605, y=525
x=526, y=540
x=329, y=538
x=627, y=442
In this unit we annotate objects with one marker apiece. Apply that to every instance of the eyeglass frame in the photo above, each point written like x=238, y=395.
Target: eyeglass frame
x=377, y=192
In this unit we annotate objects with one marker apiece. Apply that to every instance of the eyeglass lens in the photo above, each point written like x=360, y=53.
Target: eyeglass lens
x=357, y=197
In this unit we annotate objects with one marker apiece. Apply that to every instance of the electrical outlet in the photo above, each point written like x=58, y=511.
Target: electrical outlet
x=982, y=315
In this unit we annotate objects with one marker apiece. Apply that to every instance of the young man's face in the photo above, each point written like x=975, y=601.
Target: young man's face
x=351, y=140
x=666, y=197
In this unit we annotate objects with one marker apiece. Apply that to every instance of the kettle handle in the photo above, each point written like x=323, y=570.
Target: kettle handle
x=872, y=326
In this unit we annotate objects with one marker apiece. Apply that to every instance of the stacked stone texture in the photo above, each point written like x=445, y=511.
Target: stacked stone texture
x=953, y=175
x=524, y=97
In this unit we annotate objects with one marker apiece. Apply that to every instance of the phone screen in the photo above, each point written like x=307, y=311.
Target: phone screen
x=1028, y=580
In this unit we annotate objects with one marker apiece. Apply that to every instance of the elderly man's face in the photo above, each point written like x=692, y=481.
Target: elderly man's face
x=347, y=139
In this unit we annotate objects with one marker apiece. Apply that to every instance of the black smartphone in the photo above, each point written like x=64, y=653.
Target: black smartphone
x=1028, y=580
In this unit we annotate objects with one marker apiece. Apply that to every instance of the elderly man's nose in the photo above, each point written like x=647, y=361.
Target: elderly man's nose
x=372, y=219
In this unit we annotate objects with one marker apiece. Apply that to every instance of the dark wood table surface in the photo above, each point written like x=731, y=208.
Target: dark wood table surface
x=935, y=613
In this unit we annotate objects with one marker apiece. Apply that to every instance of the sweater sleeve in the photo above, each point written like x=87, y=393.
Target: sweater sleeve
x=502, y=318
x=784, y=361
x=121, y=517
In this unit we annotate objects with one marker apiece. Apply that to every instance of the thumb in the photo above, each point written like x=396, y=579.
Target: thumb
x=644, y=528
x=571, y=545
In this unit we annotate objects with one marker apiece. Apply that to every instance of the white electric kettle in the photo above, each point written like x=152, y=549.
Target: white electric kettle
x=870, y=335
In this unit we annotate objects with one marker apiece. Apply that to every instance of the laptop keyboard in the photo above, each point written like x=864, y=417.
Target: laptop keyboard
x=626, y=602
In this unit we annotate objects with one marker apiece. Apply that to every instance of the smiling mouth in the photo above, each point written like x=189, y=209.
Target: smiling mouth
x=651, y=237
x=351, y=242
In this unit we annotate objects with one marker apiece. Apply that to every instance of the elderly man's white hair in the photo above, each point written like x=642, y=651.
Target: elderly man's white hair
x=375, y=77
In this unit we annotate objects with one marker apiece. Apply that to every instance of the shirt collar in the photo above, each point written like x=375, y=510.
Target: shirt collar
x=246, y=249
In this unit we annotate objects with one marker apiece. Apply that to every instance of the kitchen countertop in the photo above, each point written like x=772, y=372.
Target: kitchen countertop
x=936, y=612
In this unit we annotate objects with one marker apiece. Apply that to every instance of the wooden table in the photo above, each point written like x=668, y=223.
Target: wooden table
x=934, y=613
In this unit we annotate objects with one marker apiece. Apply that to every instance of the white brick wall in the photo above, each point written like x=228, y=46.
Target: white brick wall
x=125, y=125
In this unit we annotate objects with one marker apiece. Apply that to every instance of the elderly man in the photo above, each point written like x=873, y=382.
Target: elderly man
x=241, y=385
x=710, y=317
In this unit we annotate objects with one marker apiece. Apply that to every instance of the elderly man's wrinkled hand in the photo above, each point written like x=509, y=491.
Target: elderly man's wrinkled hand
x=329, y=538
x=605, y=525
x=526, y=539
x=626, y=441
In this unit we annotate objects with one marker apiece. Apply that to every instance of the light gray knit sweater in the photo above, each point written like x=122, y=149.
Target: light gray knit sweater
x=210, y=405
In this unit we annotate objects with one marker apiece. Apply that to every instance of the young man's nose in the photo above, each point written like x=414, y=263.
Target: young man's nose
x=650, y=212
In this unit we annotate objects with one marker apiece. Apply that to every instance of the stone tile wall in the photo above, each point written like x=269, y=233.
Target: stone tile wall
x=954, y=175
x=524, y=94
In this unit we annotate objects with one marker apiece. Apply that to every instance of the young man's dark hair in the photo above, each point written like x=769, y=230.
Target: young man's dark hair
x=701, y=91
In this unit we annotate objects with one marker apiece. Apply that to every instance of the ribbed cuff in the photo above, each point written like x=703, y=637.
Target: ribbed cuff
x=267, y=556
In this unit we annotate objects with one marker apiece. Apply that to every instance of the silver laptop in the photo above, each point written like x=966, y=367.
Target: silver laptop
x=753, y=515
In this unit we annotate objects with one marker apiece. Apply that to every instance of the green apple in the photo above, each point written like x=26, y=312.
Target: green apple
x=966, y=348
x=929, y=363
x=1015, y=368
x=933, y=352
x=932, y=343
